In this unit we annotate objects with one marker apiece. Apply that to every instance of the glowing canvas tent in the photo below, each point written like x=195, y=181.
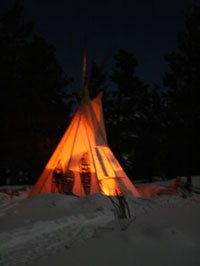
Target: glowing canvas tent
x=83, y=163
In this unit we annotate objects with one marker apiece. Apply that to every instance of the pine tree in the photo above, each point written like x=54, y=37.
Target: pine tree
x=128, y=105
x=183, y=97
x=31, y=109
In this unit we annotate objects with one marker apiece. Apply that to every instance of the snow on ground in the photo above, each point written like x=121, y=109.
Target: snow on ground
x=60, y=230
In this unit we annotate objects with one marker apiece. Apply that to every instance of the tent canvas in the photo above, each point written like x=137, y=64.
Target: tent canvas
x=83, y=163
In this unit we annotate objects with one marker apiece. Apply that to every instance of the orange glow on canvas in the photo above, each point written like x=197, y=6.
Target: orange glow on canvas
x=109, y=187
x=82, y=163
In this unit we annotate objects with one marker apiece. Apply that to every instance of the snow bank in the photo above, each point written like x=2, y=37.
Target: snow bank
x=54, y=229
x=163, y=237
x=48, y=221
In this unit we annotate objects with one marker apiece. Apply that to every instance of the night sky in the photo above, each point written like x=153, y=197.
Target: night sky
x=146, y=28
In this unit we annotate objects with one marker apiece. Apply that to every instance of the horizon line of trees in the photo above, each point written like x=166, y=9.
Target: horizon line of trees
x=152, y=132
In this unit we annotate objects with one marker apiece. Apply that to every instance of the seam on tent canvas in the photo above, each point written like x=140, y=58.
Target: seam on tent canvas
x=110, y=162
x=86, y=143
x=74, y=141
x=101, y=161
x=92, y=156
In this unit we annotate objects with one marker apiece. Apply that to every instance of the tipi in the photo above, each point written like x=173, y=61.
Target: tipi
x=83, y=163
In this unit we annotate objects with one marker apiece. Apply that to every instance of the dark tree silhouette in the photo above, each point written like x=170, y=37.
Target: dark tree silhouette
x=149, y=143
x=183, y=81
x=96, y=80
x=128, y=104
x=31, y=110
